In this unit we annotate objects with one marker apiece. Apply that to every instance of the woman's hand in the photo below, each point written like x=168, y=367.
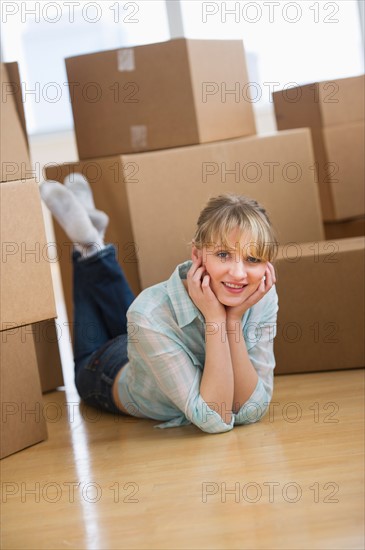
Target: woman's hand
x=235, y=313
x=202, y=295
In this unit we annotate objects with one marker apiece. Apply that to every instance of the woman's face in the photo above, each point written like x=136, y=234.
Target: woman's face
x=234, y=266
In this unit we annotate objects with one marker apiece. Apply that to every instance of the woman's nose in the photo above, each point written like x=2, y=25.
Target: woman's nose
x=238, y=270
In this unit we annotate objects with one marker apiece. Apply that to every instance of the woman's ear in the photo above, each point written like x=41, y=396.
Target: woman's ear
x=195, y=253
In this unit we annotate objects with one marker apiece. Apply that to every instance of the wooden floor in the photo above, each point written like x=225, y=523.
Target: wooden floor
x=293, y=480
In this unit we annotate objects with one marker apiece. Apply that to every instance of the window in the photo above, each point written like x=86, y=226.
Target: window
x=286, y=43
x=40, y=35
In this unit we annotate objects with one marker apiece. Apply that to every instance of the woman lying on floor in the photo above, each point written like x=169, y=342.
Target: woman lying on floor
x=197, y=348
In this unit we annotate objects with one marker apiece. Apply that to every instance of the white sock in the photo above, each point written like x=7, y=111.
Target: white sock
x=100, y=221
x=72, y=217
x=80, y=187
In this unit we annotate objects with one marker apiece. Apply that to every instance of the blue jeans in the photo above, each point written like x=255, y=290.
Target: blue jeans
x=101, y=296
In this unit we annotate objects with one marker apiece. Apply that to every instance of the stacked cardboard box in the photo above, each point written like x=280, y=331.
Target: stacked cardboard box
x=178, y=129
x=321, y=316
x=334, y=111
x=169, y=94
x=26, y=291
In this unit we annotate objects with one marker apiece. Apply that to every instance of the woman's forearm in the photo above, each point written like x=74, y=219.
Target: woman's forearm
x=244, y=374
x=217, y=383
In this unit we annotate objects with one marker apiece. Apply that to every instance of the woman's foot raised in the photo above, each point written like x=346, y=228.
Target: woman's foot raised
x=80, y=187
x=72, y=217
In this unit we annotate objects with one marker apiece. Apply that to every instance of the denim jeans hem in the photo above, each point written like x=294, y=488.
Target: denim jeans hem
x=77, y=256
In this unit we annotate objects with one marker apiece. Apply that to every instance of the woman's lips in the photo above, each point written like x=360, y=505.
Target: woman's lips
x=234, y=290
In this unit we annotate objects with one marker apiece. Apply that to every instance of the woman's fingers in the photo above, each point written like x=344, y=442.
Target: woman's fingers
x=198, y=275
x=206, y=281
x=195, y=279
x=269, y=279
x=193, y=269
x=272, y=271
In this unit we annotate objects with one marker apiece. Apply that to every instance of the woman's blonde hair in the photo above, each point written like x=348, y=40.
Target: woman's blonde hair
x=230, y=211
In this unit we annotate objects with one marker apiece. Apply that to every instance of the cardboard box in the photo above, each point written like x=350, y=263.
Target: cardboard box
x=346, y=229
x=14, y=155
x=345, y=146
x=321, y=104
x=26, y=288
x=169, y=94
x=334, y=110
x=321, y=306
x=46, y=335
x=154, y=199
x=46, y=340
x=22, y=421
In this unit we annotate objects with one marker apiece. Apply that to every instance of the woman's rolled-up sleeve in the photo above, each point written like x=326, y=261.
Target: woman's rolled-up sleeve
x=255, y=407
x=177, y=378
x=262, y=357
x=202, y=414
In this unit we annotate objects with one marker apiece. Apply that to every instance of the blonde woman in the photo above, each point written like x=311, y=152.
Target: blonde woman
x=197, y=348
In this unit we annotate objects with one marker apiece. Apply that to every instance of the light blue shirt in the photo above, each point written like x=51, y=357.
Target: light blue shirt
x=166, y=351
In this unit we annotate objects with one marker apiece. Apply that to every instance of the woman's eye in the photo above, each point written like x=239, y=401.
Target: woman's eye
x=253, y=260
x=223, y=255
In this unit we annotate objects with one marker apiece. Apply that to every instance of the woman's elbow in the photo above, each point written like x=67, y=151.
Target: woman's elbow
x=251, y=413
x=213, y=425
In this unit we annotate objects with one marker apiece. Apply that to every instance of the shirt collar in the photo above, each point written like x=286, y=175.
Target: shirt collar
x=184, y=307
